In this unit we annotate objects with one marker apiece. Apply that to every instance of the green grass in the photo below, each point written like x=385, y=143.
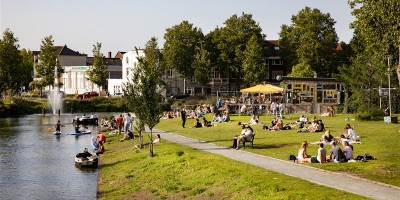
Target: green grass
x=181, y=172
x=381, y=140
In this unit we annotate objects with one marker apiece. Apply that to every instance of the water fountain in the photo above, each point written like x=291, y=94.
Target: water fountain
x=55, y=97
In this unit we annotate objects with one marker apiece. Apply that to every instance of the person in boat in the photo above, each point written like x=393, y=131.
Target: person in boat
x=58, y=126
x=76, y=126
x=85, y=153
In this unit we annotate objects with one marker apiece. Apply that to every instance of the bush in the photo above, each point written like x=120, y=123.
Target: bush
x=21, y=107
x=374, y=114
x=96, y=104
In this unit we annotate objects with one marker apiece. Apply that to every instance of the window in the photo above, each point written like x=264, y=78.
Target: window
x=277, y=62
x=169, y=73
x=276, y=48
x=127, y=60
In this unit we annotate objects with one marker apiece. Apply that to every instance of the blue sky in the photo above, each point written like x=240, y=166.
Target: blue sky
x=120, y=25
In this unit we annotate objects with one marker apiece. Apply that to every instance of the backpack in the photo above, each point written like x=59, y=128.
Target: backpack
x=292, y=157
x=341, y=157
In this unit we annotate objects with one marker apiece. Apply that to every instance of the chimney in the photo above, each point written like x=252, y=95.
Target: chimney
x=109, y=54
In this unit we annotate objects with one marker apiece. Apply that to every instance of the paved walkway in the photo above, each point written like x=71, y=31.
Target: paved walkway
x=352, y=184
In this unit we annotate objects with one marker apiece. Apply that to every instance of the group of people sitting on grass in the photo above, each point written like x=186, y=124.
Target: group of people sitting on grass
x=336, y=154
x=217, y=118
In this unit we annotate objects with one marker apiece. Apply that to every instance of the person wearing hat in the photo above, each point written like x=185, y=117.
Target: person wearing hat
x=85, y=153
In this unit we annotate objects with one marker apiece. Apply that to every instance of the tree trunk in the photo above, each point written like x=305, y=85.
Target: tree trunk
x=151, y=143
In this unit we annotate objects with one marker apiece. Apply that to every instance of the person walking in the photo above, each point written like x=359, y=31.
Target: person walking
x=120, y=121
x=183, y=116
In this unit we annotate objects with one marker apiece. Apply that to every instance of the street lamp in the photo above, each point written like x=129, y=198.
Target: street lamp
x=390, y=106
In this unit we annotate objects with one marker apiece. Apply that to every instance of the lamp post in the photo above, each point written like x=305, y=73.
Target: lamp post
x=390, y=106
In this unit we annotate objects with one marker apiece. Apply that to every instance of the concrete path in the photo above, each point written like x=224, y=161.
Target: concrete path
x=363, y=187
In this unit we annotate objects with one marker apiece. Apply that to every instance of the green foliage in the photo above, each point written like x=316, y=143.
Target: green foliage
x=145, y=86
x=310, y=39
x=21, y=107
x=363, y=78
x=372, y=114
x=202, y=66
x=180, y=46
x=45, y=68
x=254, y=62
x=96, y=104
x=230, y=43
x=302, y=70
x=11, y=66
x=377, y=26
x=26, y=67
x=98, y=72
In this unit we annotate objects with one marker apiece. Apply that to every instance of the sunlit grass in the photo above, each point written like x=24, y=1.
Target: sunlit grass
x=180, y=172
x=381, y=140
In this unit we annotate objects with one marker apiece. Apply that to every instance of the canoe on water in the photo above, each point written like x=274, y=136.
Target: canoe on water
x=81, y=133
x=57, y=133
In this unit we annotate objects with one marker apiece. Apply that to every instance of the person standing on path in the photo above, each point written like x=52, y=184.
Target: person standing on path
x=120, y=121
x=127, y=122
x=183, y=116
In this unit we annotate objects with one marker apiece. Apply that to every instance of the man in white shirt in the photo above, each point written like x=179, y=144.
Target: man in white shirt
x=127, y=122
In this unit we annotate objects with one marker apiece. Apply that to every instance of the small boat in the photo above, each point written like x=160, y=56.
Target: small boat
x=82, y=133
x=86, y=159
x=57, y=133
x=87, y=121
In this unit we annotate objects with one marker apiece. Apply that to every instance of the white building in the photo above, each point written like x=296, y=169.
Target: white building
x=75, y=80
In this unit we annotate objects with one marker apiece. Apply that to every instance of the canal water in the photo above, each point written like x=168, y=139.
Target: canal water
x=35, y=164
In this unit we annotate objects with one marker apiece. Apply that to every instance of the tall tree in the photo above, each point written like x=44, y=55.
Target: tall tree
x=231, y=41
x=27, y=67
x=254, y=62
x=378, y=23
x=144, y=88
x=48, y=62
x=98, y=72
x=302, y=70
x=10, y=62
x=311, y=39
x=180, y=46
x=202, y=66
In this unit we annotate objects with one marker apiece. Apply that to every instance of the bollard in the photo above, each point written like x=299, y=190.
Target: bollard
x=59, y=112
x=72, y=110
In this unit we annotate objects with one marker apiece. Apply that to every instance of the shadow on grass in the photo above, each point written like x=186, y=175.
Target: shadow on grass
x=269, y=146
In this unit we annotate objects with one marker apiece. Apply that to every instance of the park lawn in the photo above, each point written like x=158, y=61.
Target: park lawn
x=181, y=172
x=379, y=139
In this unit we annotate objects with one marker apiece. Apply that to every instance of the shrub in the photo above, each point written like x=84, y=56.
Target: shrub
x=374, y=114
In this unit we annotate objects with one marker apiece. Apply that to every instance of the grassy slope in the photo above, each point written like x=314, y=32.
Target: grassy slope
x=178, y=172
x=379, y=139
